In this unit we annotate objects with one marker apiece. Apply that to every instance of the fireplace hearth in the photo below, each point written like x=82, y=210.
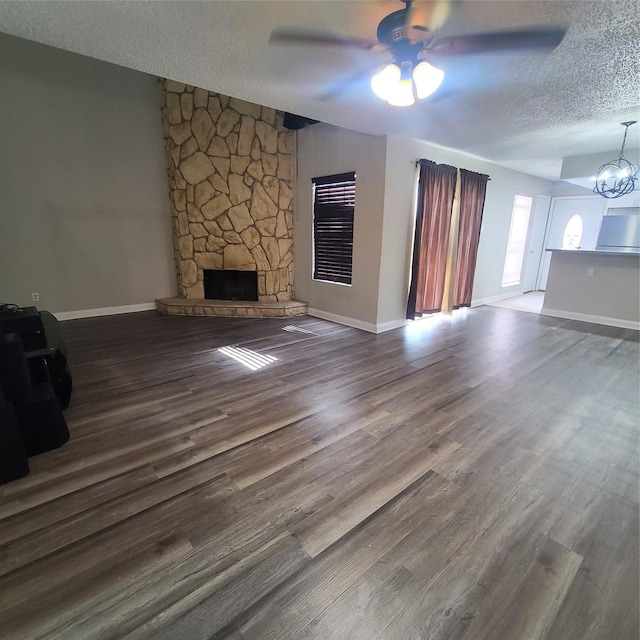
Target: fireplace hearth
x=229, y=284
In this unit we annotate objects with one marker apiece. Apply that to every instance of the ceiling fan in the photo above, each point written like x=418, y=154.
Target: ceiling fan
x=410, y=75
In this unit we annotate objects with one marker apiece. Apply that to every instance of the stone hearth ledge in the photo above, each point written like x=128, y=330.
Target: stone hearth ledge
x=230, y=308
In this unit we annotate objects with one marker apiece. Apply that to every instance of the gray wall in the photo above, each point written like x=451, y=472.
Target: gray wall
x=401, y=156
x=84, y=216
x=588, y=165
x=612, y=292
x=326, y=150
x=562, y=189
x=384, y=218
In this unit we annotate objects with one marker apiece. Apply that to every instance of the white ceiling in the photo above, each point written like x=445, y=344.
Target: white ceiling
x=521, y=110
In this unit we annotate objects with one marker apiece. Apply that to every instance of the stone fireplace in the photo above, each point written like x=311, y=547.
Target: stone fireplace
x=230, y=172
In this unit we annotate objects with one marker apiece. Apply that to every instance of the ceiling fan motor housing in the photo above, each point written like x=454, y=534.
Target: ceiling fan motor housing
x=392, y=31
x=393, y=27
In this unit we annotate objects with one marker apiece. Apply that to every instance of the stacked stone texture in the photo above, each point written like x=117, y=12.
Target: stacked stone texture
x=230, y=168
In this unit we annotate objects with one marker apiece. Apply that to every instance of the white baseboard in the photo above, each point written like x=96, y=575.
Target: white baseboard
x=587, y=317
x=357, y=324
x=391, y=324
x=349, y=322
x=502, y=296
x=104, y=311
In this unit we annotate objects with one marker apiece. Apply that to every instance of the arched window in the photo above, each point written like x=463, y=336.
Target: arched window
x=572, y=235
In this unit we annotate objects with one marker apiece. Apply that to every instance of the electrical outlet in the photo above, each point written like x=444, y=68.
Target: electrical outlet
x=35, y=297
x=589, y=272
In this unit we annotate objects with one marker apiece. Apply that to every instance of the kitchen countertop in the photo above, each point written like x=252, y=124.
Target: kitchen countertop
x=597, y=252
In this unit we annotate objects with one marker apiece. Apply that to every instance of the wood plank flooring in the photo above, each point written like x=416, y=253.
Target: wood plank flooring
x=468, y=478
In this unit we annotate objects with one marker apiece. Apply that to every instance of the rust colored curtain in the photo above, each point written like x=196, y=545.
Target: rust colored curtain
x=473, y=188
x=436, y=188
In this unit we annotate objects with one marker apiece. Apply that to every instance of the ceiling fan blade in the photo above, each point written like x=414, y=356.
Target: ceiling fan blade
x=295, y=36
x=340, y=88
x=432, y=14
x=414, y=30
x=544, y=38
x=441, y=95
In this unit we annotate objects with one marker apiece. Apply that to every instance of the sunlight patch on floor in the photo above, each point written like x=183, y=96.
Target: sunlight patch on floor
x=530, y=302
x=250, y=359
x=292, y=328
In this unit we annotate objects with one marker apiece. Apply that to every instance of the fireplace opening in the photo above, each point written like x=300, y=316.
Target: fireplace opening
x=228, y=284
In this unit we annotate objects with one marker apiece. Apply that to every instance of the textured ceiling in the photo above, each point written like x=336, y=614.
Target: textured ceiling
x=522, y=110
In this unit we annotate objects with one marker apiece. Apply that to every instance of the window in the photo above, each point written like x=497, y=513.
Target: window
x=572, y=235
x=517, y=241
x=333, y=207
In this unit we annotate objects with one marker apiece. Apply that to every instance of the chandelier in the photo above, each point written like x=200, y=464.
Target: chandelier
x=618, y=177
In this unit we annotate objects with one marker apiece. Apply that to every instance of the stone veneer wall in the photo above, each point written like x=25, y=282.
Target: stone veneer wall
x=230, y=168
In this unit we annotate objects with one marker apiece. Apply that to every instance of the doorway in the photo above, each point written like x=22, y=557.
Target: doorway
x=568, y=219
x=535, y=243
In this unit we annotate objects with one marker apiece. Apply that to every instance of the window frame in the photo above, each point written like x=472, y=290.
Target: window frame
x=512, y=241
x=333, y=207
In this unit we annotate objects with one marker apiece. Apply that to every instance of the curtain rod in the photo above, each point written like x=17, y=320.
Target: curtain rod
x=417, y=162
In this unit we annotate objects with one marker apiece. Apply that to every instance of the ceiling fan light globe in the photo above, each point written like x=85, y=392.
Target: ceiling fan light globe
x=385, y=83
x=427, y=79
x=402, y=95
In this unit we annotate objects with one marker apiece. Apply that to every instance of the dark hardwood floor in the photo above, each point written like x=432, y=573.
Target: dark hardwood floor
x=462, y=479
